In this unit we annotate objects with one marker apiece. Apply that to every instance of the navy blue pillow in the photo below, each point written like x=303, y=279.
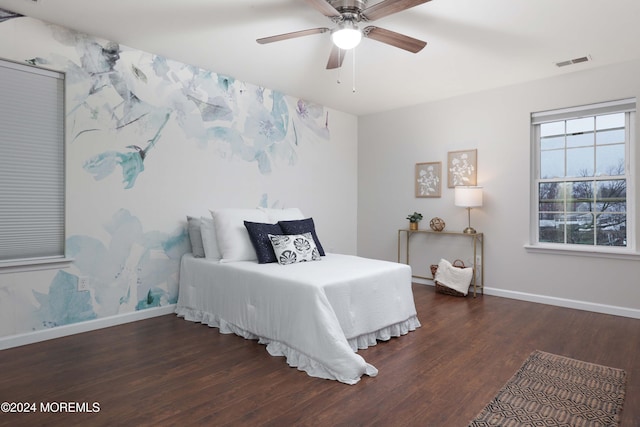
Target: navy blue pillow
x=259, y=236
x=302, y=226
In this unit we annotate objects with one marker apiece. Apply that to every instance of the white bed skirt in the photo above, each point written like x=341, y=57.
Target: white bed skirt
x=299, y=360
x=316, y=314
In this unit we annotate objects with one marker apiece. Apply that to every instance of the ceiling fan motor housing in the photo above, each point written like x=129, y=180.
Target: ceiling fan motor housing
x=349, y=9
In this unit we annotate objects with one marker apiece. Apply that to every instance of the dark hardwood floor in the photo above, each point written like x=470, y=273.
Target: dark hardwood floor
x=166, y=371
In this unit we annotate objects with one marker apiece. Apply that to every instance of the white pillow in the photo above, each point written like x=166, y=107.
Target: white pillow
x=452, y=277
x=209, y=239
x=289, y=214
x=293, y=248
x=232, y=235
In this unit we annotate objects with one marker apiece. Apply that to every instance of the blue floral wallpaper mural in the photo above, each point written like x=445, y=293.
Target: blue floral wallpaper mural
x=118, y=88
x=133, y=271
x=128, y=110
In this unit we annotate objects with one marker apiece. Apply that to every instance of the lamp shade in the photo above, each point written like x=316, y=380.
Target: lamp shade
x=347, y=35
x=468, y=197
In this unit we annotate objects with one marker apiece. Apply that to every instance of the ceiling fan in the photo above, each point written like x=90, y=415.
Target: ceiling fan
x=347, y=14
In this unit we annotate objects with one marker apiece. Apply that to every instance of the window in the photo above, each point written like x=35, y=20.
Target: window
x=32, y=210
x=582, y=168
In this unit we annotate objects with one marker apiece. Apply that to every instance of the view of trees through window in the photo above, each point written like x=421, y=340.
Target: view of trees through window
x=582, y=187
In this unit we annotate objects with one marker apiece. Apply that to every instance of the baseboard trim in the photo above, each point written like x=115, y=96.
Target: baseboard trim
x=560, y=302
x=568, y=303
x=77, y=328
x=91, y=325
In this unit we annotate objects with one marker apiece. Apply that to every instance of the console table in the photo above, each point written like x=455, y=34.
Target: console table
x=478, y=246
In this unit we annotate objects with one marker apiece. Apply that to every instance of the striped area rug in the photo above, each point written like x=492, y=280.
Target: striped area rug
x=552, y=390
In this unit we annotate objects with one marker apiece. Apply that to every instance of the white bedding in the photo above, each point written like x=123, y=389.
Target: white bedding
x=316, y=314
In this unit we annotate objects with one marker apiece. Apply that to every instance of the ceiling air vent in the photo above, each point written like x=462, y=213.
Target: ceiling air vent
x=573, y=61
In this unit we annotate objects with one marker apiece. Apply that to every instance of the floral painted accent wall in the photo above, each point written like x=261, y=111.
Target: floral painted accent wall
x=150, y=140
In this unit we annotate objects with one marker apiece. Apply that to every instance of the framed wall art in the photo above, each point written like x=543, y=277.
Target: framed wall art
x=428, y=179
x=462, y=168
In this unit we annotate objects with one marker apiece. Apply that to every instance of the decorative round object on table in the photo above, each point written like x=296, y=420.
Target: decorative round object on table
x=437, y=224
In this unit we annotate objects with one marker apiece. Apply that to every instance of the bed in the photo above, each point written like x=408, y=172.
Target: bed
x=315, y=314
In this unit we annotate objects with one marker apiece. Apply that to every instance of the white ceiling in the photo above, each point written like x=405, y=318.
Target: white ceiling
x=472, y=44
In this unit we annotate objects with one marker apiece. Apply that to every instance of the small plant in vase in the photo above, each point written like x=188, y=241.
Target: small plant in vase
x=414, y=219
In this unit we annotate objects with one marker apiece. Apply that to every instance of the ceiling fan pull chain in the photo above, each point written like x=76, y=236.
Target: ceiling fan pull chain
x=339, y=68
x=353, y=89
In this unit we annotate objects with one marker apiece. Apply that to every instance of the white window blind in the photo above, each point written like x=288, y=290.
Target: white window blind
x=32, y=211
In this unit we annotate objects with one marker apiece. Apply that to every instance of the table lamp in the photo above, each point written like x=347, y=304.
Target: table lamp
x=468, y=197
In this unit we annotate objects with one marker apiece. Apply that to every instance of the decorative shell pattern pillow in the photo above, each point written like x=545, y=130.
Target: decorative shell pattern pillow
x=293, y=248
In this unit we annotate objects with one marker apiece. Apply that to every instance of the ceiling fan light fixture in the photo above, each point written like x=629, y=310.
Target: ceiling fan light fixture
x=347, y=35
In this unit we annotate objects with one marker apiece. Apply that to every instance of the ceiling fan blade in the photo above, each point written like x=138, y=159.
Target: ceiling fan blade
x=292, y=35
x=394, y=39
x=324, y=7
x=389, y=7
x=335, y=58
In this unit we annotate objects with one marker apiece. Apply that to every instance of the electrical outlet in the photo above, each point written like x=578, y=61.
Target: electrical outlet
x=478, y=260
x=83, y=284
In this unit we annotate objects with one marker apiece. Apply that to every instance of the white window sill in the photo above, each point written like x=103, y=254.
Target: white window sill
x=590, y=251
x=19, y=266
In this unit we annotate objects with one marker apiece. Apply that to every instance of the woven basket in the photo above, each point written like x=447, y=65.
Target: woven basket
x=445, y=289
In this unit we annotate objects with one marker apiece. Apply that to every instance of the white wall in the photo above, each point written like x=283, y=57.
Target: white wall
x=218, y=143
x=497, y=124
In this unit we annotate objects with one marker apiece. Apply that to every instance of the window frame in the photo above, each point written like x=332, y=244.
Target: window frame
x=59, y=259
x=628, y=106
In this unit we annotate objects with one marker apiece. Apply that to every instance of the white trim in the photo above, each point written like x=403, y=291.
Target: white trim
x=77, y=328
x=619, y=106
x=34, y=264
x=92, y=325
x=586, y=251
x=633, y=313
